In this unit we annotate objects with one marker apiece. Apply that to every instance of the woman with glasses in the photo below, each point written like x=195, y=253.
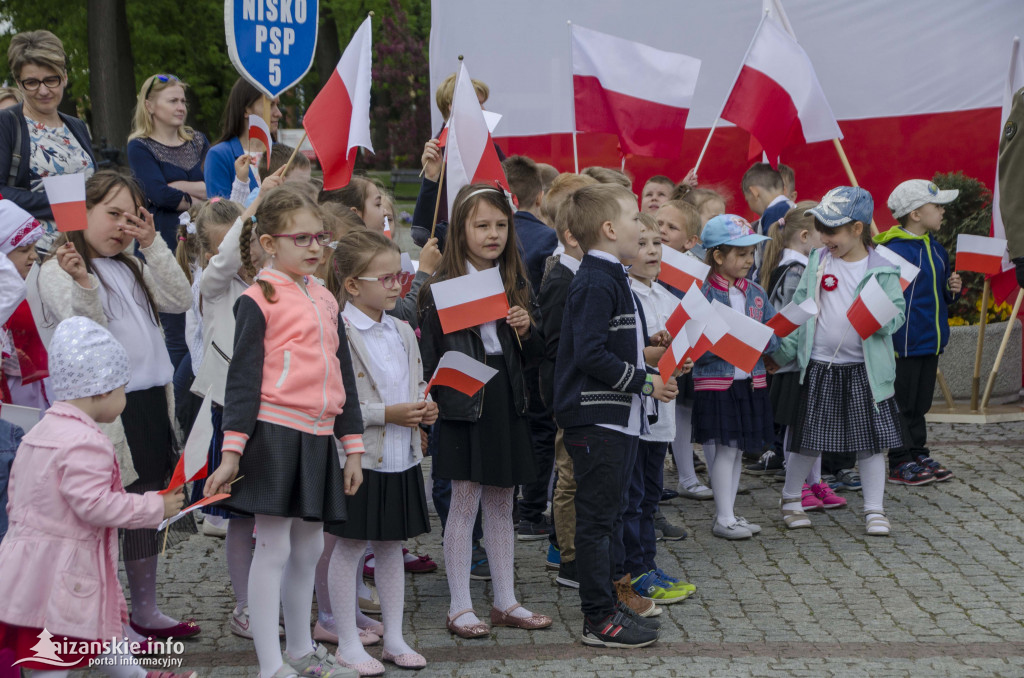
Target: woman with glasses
x=219, y=171
x=37, y=140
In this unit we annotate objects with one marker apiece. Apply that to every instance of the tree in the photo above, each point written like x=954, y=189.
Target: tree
x=112, y=85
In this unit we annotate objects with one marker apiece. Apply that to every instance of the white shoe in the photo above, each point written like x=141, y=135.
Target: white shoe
x=732, y=532
x=240, y=625
x=210, y=529
x=753, y=527
x=696, y=491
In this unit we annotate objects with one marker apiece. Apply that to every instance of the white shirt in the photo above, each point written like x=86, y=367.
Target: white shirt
x=738, y=301
x=789, y=255
x=569, y=261
x=489, y=330
x=658, y=304
x=833, y=329
x=389, y=364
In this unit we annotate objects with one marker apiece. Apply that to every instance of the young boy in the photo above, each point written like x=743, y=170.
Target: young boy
x=764, y=191
x=788, y=182
x=917, y=205
x=657, y=191
x=679, y=225
x=599, y=383
x=537, y=239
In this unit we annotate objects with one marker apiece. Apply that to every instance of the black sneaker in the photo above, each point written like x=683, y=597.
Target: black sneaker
x=567, y=574
x=666, y=530
x=770, y=462
x=617, y=630
x=910, y=473
x=940, y=472
x=478, y=568
x=534, y=531
x=668, y=495
x=647, y=622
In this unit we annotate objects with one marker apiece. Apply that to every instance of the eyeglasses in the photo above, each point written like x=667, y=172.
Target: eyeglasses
x=32, y=84
x=305, y=239
x=389, y=279
x=161, y=78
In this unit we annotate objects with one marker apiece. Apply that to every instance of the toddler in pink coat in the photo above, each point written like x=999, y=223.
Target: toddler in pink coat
x=58, y=562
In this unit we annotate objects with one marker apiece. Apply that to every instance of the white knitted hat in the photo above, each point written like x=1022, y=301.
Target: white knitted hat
x=86, y=360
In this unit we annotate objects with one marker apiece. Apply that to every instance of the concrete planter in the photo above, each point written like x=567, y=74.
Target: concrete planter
x=957, y=362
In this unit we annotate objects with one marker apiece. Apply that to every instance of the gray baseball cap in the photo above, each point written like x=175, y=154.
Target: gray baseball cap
x=915, y=193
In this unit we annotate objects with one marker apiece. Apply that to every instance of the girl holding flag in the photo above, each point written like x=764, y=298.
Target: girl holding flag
x=847, y=403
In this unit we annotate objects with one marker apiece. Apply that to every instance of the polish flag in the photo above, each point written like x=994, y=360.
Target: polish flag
x=908, y=272
x=189, y=509
x=681, y=270
x=871, y=309
x=744, y=341
x=338, y=120
x=681, y=345
x=637, y=92
x=66, y=194
x=470, y=156
x=179, y=477
x=979, y=254
x=694, y=307
x=387, y=229
x=490, y=117
x=470, y=300
x=192, y=464
x=777, y=96
x=791, y=317
x=260, y=131
x=457, y=370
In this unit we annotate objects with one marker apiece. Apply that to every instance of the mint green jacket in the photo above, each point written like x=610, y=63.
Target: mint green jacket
x=879, y=358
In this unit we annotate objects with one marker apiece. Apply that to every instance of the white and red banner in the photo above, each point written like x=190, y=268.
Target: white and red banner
x=680, y=270
x=189, y=509
x=678, y=351
x=979, y=254
x=792, y=316
x=744, y=341
x=871, y=309
x=908, y=271
x=260, y=131
x=639, y=93
x=694, y=308
x=338, y=120
x=470, y=300
x=66, y=193
x=457, y=370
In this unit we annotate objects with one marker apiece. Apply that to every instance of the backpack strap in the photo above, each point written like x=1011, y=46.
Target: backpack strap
x=15, y=150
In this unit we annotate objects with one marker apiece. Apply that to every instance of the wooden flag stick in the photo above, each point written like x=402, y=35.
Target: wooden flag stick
x=849, y=175
x=168, y=528
x=294, y=153
x=440, y=181
x=976, y=381
x=1002, y=349
x=944, y=387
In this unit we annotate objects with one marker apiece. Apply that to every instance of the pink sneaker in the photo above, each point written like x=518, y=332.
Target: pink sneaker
x=826, y=496
x=809, y=501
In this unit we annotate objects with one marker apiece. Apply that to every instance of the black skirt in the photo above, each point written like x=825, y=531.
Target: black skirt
x=784, y=393
x=387, y=507
x=740, y=416
x=290, y=474
x=495, y=450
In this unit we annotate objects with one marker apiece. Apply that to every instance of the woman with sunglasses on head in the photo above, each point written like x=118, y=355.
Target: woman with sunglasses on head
x=36, y=140
x=219, y=170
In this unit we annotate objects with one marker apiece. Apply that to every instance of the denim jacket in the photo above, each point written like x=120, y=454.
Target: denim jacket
x=711, y=373
x=10, y=438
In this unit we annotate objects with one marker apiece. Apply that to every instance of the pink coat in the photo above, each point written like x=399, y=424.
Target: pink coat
x=58, y=562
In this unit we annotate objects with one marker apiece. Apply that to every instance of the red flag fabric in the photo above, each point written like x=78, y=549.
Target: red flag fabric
x=681, y=270
x=792, y=316
x=457, y=370
x=871, y=309
x=178, y=477
x=66, y=194
x=259, y=130
x=470, y=300
x=744, y=340
x=680, y=347
x=980, y=254
x=694, y=306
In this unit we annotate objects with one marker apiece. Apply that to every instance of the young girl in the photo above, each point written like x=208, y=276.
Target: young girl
x=783, y=263
x=391, y=504
x=58, y=563
x=847, y=403
x=485, y=447
x=731, y=410
x=92, y=274
x=285, y=402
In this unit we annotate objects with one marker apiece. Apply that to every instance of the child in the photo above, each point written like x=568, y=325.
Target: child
x=600, y=378
x=286, y=400
x=485, y=445
x=788, y=182
x=537, y=239
x=708, y=202
x=59, y=561
x=391, y=505
x=764, y=192
x=731, y=410
x=91, y=274
x=638, y=529
x=847, y=403
x=298, y=173
x=917, y=204
x=657, y=191
x=679, y=226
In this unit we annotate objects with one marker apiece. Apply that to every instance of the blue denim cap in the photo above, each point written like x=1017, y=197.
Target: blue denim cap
x=843, y=205
x=729, y=229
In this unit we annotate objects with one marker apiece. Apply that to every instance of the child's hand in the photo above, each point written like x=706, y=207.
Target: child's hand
x=770, y=365
x=406, y=414
x=242, y=165
x=430, y=257
x=173, y=501
x=430, y=416
x=690, y=179
x=661, y=338
x=665, y=392
x=71, y=261
x=219, y=482
x=686, y=367
x=143, y=230
x=652, y=354
x=273, y=181
x=519, y=320
x=431, y=160
x=956, y=283
x=353, y=473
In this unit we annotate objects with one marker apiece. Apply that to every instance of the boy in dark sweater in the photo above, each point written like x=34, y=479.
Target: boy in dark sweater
x=600, y=376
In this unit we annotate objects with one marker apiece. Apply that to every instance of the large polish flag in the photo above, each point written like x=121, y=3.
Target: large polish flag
x=792, y=316
x=470, y=300
x=639, y=93
x=66, y=194
x=681, y=270
x=908, y=271
x=979, y=254
x=777, y=96
x=457, y=370
x=260, y=131
x=470, y=156
x=744, y=341
x=338, y=120
x=871, y=309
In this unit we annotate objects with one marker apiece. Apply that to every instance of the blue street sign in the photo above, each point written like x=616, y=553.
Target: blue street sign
x=271, y=42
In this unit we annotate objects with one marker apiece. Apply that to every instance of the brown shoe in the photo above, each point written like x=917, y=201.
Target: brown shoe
x=628, y=597
x=506, y=618
x=467, y=631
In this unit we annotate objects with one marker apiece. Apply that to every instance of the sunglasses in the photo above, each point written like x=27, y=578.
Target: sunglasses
x=161, y=78
x=389, y=280
x=32, y=84
x=305, y=239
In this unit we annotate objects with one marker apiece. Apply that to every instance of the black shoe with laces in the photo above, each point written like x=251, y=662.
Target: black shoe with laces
x=529, y=531
x=769, y=463
x=617, y=630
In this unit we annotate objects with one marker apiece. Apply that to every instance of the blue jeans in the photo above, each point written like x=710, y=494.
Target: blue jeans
x=638, y=536
x=10, y=439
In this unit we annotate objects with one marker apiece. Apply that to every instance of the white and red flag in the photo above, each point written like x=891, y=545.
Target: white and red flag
x=908, y=271
x=979, y=254
x=470, y=156
x=792, y=316
x=338, y=120
x=387, y=228
x=681, y=270
x=694, y=307
x=470, y=300
x=189, y=509
x=777, y=96
x=637, y=92
x=457, y=370
x=871, y=309
x=682, y=344
x=66, y=194
x=260, y=131
x=744, y=341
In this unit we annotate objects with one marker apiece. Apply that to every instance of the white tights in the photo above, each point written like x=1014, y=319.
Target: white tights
x=872, y=477
x=682, y=447
x=725, y=464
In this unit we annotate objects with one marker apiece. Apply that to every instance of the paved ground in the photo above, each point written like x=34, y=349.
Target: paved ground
x=940, y=597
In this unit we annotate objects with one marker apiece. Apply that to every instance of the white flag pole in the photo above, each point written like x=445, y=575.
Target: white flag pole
x=572, y=101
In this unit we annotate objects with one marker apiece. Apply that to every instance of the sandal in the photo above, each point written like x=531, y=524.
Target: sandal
x=506, y=618
x=477, y=630
x=794, y=518
x=876, y=524
x=409, y=660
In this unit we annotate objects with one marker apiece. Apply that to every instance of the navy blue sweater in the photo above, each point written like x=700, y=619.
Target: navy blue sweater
x=595, y=371
x=537, y=242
